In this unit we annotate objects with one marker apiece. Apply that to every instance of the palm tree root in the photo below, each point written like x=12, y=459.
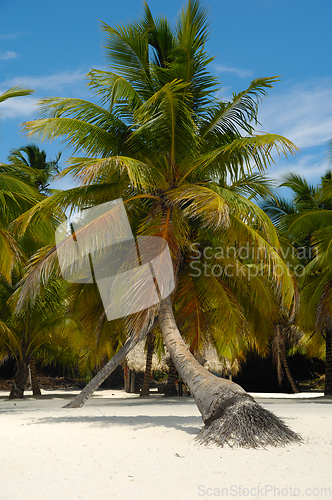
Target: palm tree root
x=239, y=421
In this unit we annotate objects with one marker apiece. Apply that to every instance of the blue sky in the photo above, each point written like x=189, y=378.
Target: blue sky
x=50, y=47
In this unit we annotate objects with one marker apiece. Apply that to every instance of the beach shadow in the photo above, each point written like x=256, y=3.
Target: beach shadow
x=189, y=424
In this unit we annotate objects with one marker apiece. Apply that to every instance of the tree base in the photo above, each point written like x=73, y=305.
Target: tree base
x=171, y=391
x=244, y=423
x=16, y=393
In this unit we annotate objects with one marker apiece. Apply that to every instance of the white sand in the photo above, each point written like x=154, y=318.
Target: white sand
x=121, y=446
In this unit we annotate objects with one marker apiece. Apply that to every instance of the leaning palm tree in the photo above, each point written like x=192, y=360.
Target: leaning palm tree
x=164, y=143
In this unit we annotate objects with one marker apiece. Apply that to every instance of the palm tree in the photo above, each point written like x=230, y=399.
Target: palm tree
x=19, y=334
x=44, y=323
x=32, y=163
x=311, y=225
x=166, y=145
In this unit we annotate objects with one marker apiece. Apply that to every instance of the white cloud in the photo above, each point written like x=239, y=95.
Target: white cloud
x=242, y=73
x=23, y=107
x=7, y=55
x=303, y=113
x=46, y=82
x=312, y=167
x=18, y=107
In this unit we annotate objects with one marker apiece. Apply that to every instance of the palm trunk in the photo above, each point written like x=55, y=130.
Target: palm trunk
x=328, y=363
x=230, y=414
x=170, y=389
x=20, y=380
x=286, y=368
x=34, y=379
x=126, y=374
x=102, y=375
x=148, y=366
x=106, y=371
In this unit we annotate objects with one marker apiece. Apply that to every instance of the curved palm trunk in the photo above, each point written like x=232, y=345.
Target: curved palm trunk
x=283, y=358
x=20, y=380
x=328, y=363
x=102, y=375
x=230, y=414
x=34, y=379
x=287, y=370
x=106, y=371
x=148, y=366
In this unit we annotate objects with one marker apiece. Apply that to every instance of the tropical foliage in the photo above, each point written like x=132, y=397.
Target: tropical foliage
x=189, y=168
x=310, y=228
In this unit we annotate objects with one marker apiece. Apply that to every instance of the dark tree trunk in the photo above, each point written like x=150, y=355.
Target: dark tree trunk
x=34, y=379
x=129, y=379
x=148, y=367
x=328, y=362
x=170, y=389
x=230, y=414
x=20, y=380
x=283, y=356
x=126, y=374
x=132, y=381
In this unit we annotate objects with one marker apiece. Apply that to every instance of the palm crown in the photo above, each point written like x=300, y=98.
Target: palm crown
x=175, y=153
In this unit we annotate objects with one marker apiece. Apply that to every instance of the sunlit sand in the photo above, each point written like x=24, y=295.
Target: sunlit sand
x=122, y=446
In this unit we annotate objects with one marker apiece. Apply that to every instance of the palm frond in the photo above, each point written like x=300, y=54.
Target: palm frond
x=17, y=91
x=201, y=202
x=237, y=115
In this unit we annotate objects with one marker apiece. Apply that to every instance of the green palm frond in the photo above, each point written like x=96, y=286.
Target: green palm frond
x=252, y=185
x=241, y=155
x=17, y=91
x=311, y=296
x=201, y=202
x=79, y=134
x=114, y=90
x=276, y=208
x=160, y=37
x=89, y=171
x=237, y=115
x=305, y=193
x=305, y=222
x=127, y=50
x=272, y=264
x=10, y=254
x=9, y=338
x=165, y=120
x=73, y=199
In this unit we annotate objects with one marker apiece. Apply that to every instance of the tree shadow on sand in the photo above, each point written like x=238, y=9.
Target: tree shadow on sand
x=189, y=424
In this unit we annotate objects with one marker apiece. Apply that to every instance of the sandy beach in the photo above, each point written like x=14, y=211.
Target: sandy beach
x=125, y=447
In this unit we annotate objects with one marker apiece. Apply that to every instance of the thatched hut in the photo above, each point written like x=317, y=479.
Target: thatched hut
x=217, y=364
x=209, y=358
